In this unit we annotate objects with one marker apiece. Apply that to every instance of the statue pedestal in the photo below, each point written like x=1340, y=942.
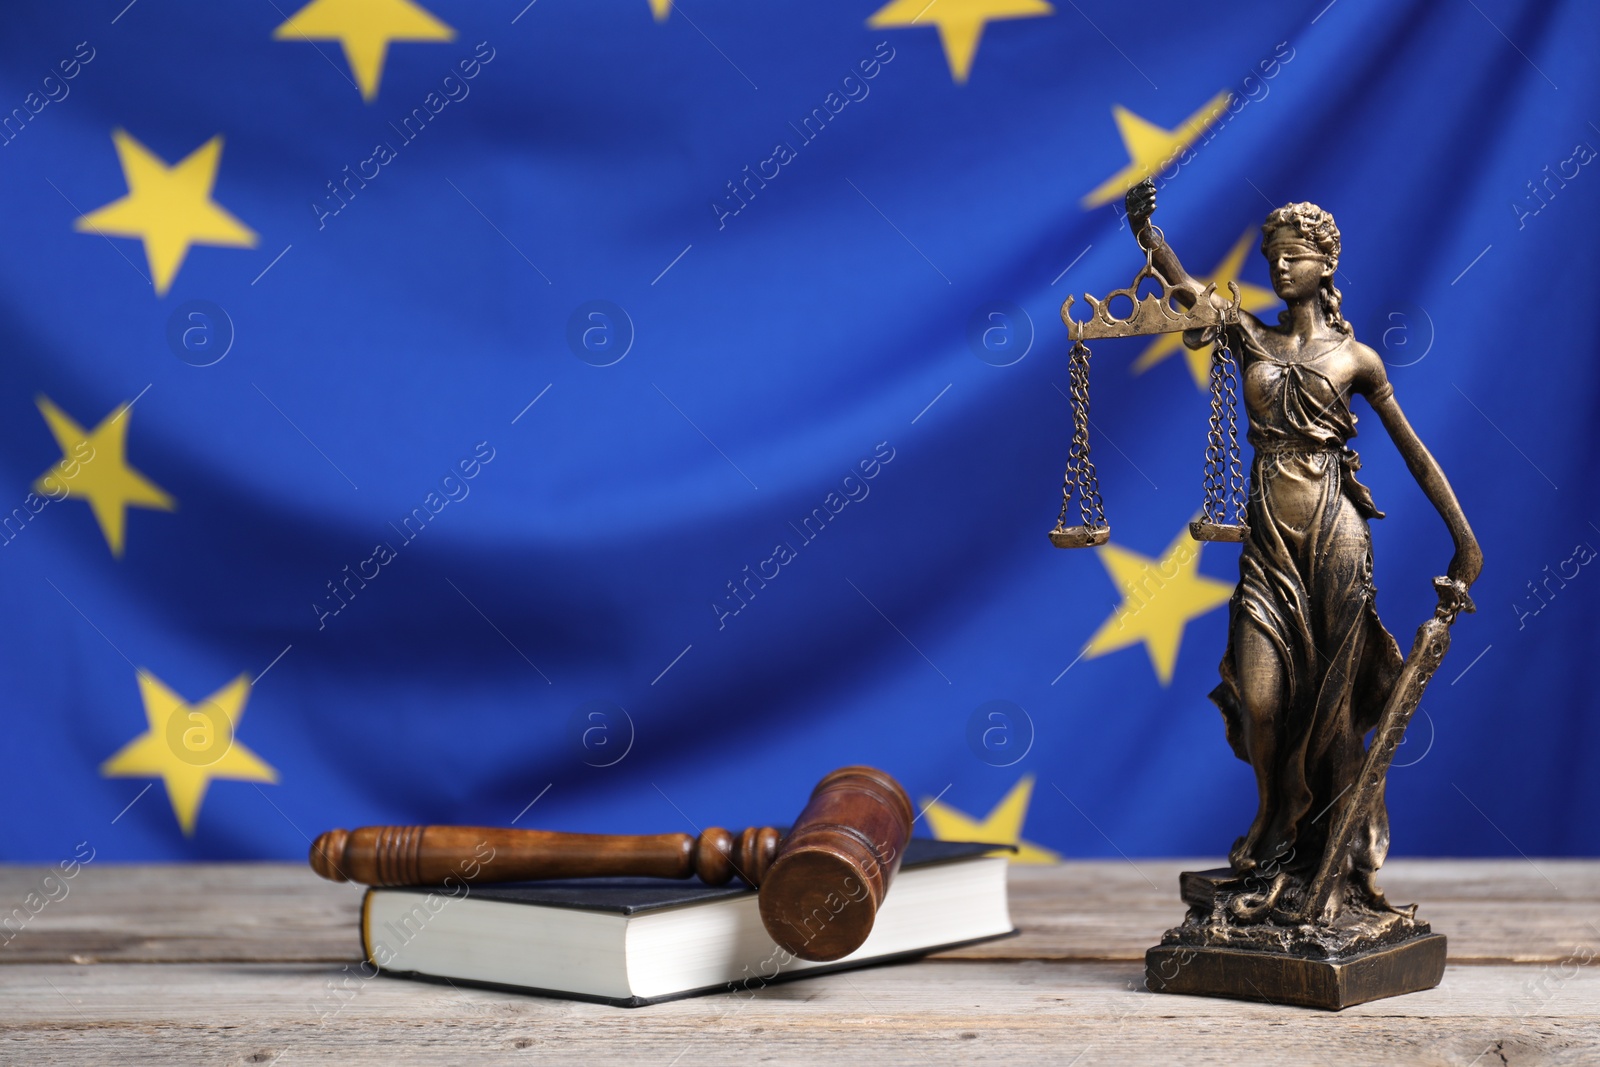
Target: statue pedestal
x=1366, y=956
x=1279, y=978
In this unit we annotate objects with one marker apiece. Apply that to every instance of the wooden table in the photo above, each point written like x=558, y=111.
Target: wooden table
x=246, y=964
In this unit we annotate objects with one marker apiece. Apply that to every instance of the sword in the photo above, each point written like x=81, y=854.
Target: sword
x=1432, y=642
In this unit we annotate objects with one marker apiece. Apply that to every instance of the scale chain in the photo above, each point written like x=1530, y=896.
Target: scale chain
x=1224, y=480
x=1237, y=490
x=1090, y=504
x=1214, y=508
x=1069, y=479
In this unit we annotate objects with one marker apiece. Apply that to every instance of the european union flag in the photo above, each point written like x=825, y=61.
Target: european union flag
x=613, y=415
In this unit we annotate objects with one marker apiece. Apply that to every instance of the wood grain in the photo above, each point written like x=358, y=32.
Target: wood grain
x=262, y=912
x=272, y=912
x=256, y=967
x=1116, y=910
x=920, y=1013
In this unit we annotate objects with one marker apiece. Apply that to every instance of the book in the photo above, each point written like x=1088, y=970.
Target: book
x=637, y=941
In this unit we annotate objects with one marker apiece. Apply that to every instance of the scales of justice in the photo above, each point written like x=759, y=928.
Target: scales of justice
x=1297, y=916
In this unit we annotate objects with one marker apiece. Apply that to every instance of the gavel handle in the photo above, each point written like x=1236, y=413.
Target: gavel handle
x=433, y=855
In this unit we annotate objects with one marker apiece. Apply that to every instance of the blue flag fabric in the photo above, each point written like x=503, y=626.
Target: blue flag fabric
x=613, y=415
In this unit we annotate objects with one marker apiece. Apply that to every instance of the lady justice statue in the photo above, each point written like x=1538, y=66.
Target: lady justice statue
x=1309, y=669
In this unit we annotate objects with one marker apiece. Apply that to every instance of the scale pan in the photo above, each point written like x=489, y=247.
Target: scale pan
x=1079, y=536
x=1202, y=530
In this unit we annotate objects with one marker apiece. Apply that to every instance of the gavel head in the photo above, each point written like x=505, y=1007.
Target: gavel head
x=821, y=895
x=327, y=854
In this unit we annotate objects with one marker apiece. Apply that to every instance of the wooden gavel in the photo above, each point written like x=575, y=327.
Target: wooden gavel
x=819, y=888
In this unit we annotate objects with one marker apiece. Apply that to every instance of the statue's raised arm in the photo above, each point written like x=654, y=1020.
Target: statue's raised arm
x=1140, y=203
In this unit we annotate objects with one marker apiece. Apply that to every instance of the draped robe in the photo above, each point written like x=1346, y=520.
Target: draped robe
x=1305, y=582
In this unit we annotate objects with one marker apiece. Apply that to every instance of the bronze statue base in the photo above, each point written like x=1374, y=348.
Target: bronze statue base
x=1372, y=951
x=1281, y=978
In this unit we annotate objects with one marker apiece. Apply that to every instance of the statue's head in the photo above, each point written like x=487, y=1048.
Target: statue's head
x=1301, y=243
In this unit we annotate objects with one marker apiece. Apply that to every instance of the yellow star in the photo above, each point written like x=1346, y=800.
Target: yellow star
x=662, y=9
x=960, y=23
x=1159, y=597
x=187, y=745
x=1151, y=148
x=94, y=466
x=170, y=208
x=1251, y=298
x=365, y=28
x=1002, y=826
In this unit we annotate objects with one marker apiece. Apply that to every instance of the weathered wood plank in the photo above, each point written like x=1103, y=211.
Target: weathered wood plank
x=920, y=1013
x=1536, y=912
x=178, y=913
x=1518, y=911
